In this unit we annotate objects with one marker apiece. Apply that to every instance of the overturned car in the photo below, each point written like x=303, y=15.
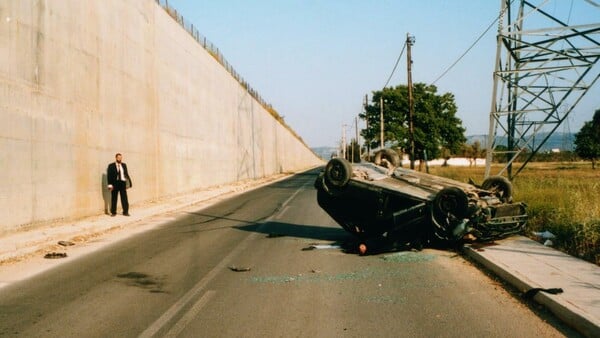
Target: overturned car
x=375, y=202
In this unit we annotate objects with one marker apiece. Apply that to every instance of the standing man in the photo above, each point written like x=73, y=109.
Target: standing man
x=117, y=177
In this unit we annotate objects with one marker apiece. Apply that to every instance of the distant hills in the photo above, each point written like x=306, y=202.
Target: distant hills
x=325, y=152
x=562, y=141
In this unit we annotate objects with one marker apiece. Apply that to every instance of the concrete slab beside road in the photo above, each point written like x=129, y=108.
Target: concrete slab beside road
x=527, y=264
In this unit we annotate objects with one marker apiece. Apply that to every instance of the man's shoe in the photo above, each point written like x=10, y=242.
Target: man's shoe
x=126, y=214
x=113, y=215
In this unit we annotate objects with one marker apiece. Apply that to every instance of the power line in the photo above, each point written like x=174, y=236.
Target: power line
x=396, y=65
x=470, y=47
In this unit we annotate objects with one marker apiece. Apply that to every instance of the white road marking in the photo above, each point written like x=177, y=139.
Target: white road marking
x=190, y=295
x=282, y=212
x=191, y=314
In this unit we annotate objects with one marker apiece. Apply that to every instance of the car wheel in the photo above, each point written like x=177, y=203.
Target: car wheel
x=450, y=206
x=390, y=155
x=338, y=172
x=451, y=200
x=500, y=186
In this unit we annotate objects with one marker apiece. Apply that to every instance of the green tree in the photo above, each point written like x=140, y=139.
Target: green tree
x=473, y=152
x=437, y=130
x=587, y=140
x=353, y=149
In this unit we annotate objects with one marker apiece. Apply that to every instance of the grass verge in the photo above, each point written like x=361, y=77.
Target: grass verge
x=563, y=198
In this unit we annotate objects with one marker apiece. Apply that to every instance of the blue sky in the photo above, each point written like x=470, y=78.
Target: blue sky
x=314, y=61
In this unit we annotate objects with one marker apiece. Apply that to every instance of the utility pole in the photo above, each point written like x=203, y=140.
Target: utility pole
x=381, y=120
x=343, y=141
x=357, y=144
x=367, y=121
x=411, y=131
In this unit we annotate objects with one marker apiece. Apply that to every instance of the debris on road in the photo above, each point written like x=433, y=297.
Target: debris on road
x=408, y=257
x=239, y=269
x=65, y=243
x=362, y=249
x=320, y=247
x=532, y=292
x=52, y=255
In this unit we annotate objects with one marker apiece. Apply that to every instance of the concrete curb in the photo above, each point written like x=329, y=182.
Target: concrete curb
x=526, y=264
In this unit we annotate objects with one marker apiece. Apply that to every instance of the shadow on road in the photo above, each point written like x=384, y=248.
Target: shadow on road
x=274, y=228
x=315, y=232
x=346, y=241
x=337, y=236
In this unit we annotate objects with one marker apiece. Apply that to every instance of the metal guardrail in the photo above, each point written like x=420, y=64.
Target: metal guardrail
x=215, y=53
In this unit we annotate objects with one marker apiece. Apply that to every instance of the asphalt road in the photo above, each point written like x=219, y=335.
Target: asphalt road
x=177, y=280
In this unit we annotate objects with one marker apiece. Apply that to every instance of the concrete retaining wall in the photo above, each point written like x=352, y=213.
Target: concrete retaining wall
x=82, y=80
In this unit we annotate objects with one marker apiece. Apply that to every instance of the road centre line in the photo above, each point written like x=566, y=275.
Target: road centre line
x=282, y=212
x=190, y=295
x=191, y=314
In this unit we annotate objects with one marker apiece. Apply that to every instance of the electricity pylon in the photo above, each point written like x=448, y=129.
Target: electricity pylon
x=546, y=61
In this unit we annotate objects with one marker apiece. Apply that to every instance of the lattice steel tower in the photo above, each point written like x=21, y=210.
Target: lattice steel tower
x=546, y=61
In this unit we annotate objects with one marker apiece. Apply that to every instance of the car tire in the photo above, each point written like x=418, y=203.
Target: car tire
x=338, y=172
x=390, y=155
x=451, y=200
x=501, y=187
x=450, y=205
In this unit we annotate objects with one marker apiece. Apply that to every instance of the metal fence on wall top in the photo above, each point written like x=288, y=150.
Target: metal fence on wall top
x=210, y=48
x=214, y=51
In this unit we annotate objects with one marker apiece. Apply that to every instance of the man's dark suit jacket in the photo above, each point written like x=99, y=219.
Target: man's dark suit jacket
x=112, y=175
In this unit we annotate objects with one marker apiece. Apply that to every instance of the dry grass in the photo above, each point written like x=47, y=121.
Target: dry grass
x=563, y=198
